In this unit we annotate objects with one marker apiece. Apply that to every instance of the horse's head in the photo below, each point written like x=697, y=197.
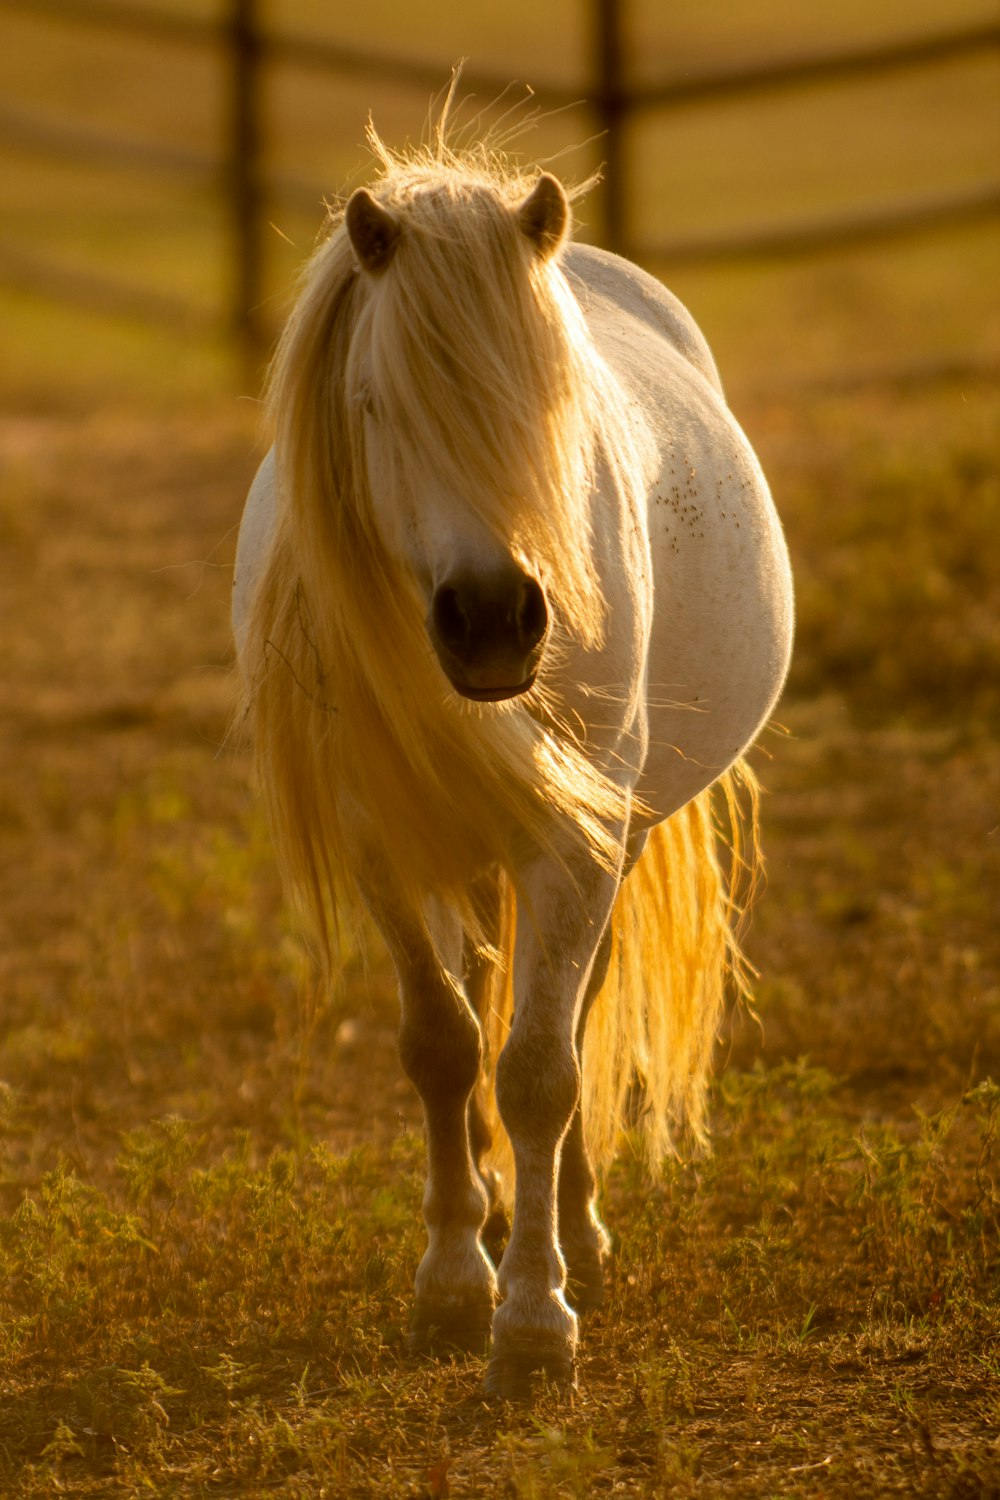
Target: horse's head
x=458, y=396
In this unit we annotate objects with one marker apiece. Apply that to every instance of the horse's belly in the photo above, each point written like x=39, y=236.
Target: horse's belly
x=722, y=610
x=722, y=623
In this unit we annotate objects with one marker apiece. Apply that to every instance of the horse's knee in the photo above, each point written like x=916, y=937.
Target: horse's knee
x=537, y=1086
x=440, y=1047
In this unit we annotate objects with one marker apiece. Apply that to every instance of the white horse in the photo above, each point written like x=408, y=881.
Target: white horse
x=510, y=596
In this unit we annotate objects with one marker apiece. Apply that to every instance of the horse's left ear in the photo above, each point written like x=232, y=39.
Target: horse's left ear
x=372, y=229
x=544, y=215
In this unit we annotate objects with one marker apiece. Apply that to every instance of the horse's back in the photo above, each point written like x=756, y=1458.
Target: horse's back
x=611, y=279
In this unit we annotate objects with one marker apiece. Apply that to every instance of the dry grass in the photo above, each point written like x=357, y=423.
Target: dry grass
x=210, y=1178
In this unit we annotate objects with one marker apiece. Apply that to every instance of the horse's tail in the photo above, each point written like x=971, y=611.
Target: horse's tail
x=675, y=954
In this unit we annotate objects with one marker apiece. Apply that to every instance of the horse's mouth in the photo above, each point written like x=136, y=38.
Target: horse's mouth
x=492, y=694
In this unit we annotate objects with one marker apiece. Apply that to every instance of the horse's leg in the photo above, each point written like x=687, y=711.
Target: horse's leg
x=583, y=1239
x=538, y=1087
x=440, y=1047
x=494, y=1231
x=479, y=981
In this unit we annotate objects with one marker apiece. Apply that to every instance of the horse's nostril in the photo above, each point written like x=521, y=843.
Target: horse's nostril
x=532, y=615
x=450, y=619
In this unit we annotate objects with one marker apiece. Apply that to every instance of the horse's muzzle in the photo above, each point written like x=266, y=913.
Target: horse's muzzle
x=488, y=631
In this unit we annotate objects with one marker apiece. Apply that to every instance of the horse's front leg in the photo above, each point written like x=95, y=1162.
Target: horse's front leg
x=585, y=1242
x=583, y=1239
x=440, y=1047
x=538, y=1087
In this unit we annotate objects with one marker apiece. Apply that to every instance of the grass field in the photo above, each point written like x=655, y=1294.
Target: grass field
x=210, y=1175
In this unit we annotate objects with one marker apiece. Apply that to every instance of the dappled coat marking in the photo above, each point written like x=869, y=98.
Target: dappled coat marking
x=511, y=596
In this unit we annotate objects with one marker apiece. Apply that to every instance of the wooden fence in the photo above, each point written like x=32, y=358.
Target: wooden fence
x=613, y=101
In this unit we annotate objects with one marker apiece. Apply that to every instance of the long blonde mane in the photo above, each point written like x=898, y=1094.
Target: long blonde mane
x=473, y=355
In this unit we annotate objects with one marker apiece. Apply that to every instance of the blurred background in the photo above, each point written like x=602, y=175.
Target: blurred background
x=819, y=183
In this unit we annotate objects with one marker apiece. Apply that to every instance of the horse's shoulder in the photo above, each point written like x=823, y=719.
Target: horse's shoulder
x=595, y=273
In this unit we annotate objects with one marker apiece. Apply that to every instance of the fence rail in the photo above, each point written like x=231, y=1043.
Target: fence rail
x=837, y=231
x=21, y=269
x=827, y=66
x=612, y=100
x=71, y=140
x=793, y=70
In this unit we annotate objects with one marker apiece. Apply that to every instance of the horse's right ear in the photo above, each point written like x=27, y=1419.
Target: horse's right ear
x=373, y=231
x=545, y=214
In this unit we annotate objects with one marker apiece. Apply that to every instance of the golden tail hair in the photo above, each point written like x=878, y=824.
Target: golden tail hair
x=675, y=952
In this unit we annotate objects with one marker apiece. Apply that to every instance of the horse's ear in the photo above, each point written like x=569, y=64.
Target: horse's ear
x=544, y=215
x=373, y=230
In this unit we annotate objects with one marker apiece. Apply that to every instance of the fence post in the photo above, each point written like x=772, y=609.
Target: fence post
x=244, y=184
x=610, y=107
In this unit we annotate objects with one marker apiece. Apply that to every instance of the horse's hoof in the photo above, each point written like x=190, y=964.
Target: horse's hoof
x=447, y=1328
x=514, y=1364
x=513, y=1377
